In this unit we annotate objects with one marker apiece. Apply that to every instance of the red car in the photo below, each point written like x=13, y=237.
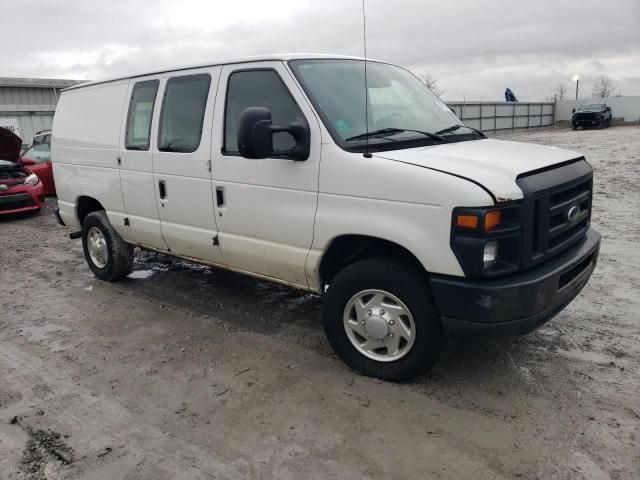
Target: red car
x=38, y=160
x=20, y=189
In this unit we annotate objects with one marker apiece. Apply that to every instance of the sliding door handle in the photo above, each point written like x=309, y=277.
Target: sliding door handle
x=162, y=188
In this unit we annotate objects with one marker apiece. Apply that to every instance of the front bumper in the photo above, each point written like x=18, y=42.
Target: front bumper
x=22, y=198
x=518, y=303
x=588, y=122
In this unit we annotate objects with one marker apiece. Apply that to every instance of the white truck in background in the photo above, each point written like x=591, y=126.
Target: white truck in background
x=412, y=226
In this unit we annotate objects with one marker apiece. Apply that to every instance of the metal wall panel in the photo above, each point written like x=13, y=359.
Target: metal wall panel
x=28, y=96
x=30, y=109
x=27, y=125
x=493, y=116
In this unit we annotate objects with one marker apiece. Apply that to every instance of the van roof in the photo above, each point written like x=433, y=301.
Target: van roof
x=257, y=58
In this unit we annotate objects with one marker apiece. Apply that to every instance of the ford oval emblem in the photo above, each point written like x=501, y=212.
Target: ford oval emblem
x=3, y=187
x=573, y=213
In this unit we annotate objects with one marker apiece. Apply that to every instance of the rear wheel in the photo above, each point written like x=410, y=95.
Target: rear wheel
x=109, y=257
x=380, y=320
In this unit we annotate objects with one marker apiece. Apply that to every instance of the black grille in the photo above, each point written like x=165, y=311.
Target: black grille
x=557, y=210
x=587, y=116
x=561, y=228
x=12, y=202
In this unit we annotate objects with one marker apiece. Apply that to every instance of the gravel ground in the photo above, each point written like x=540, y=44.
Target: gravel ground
x=186, y=372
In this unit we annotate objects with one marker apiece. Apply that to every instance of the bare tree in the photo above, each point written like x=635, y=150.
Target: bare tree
x=561, y=90
x=603, y=87
x=432, y=84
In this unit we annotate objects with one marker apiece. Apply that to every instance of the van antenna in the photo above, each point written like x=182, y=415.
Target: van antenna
x=367, y=154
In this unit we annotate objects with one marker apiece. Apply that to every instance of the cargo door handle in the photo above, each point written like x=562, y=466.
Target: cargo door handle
x=163, y=189
x=220, y=196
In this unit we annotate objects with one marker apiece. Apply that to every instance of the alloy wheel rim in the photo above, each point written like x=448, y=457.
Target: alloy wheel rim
x=97, y=246
x=379, y=325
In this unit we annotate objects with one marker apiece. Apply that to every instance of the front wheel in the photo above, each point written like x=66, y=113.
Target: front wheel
x=380, y=319
x=109, y=257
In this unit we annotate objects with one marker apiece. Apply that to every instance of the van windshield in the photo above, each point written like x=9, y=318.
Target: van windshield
x=400, y=108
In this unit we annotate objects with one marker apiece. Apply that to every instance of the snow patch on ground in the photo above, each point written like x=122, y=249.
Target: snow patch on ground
x=141, y=274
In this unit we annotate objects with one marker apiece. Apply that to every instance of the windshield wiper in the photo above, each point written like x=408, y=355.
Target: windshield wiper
x=453, y=128
x=384, y=132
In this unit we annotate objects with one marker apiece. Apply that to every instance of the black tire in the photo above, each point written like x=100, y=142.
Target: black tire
x=119, y=261
x=574, y=127
x=407, y=283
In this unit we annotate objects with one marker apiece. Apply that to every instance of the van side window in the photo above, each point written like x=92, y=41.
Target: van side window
x=183, y=107
x=259, y=88
x=143, y=98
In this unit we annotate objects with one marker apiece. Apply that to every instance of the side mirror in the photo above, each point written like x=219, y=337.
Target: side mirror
x=573, y=110
x=27, y=161
x=608, y=109
x=255, y=136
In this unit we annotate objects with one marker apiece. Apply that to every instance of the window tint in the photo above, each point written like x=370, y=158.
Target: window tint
x=259, y=88
x=39, y=153
x=183, y=107
x=140, y=114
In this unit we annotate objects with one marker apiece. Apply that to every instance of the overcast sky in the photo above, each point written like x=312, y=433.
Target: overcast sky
x=475, y=48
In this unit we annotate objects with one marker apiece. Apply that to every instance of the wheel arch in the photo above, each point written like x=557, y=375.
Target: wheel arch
x=86, y=205
x=345, y=249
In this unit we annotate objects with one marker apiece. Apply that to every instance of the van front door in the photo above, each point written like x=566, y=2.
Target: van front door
x=181, y=165
x=266, y=208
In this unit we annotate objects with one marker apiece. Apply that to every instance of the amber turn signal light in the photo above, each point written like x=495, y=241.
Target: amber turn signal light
x=492, y=219
x=467, y=221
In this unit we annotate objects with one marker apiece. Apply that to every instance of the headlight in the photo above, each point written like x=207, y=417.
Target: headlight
x=486, y=240
x=490, y=256
x=31, y=179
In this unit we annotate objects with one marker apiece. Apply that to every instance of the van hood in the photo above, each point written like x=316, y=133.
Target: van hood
x=494, y=164
x=10, y=145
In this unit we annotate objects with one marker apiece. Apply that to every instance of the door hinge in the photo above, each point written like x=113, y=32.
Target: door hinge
x=119, y=160
x=209, y=164
x=216, y=241
x=126, y=221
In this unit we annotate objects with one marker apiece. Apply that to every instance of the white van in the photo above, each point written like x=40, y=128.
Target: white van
x=412, y=226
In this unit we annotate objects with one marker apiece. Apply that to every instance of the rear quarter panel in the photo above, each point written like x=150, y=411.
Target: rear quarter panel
x=84, y=147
